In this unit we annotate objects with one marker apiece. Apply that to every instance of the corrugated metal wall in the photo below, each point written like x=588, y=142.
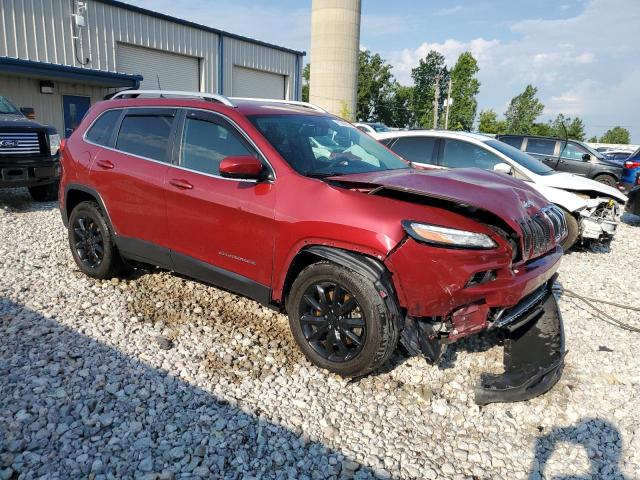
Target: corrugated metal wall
x=25, y=92
x=259, y=57
x=41, y=30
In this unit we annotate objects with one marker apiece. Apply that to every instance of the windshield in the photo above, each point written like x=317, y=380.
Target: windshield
x=521, y=158
x=379, y=127
x=318, y=146
x=7, y=108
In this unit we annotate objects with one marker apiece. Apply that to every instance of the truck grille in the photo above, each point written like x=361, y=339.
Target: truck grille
x=19, y=143
x=542, y=231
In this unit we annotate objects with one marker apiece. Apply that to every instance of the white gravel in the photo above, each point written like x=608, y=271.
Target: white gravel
x=160, y=377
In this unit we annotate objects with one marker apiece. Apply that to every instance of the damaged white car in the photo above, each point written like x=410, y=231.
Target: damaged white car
x=591, y=209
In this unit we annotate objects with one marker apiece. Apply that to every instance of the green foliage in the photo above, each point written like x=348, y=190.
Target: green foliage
x=400, y=110
x=489, y=123
x=345, y=112
x=616, y=135
x=424, y=78
x=306, y=75
x=375, y=88
x=593, y=139
x=464, y=88
x=523, y=110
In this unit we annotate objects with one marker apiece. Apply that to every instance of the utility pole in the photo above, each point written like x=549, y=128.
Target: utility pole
x=446, y=115
x=436, y=97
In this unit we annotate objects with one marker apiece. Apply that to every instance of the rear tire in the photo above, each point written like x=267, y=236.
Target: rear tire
x=606, y=179
x=45, y=193
x=352, y=333
x=573, y=231
x=91, y=242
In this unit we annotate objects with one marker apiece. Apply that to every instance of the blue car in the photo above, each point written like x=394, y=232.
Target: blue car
x=631, y=168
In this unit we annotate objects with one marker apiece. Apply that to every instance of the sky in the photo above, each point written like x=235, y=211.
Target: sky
x=582, y=55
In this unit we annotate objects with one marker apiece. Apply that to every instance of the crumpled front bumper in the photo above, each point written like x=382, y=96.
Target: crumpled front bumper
x=534, y=350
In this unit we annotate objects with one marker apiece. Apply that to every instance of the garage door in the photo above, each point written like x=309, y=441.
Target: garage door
x=257, y=84
x=173, y=71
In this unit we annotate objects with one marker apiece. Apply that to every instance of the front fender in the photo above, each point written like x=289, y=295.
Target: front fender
x=567, y=200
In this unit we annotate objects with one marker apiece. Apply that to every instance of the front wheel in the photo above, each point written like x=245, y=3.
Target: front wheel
x=606, y=179
x=339, y=320
x=573, y=231
x=45, y=193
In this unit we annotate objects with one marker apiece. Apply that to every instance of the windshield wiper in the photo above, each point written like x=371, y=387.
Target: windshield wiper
x=322, y=175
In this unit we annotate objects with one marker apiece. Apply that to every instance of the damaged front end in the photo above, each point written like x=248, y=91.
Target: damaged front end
x=599, y=220
x=533, y=338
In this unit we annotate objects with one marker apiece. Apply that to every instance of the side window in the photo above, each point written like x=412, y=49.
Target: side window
x=541, y=146
x=145, y=135
x=458, y=154
x=415, y=149
x=513, y=141
x=572, y=151
x=101, y=130
x=205, y=144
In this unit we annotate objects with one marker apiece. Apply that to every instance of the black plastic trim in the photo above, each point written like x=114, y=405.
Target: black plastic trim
x=90, y=191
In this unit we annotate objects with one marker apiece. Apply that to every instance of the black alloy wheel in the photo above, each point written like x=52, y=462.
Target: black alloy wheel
x=332, y=321
x=88, y=241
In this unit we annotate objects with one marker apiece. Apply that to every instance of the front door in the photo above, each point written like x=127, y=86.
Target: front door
x=571, y=159
x=74, y=108
x=220, y=230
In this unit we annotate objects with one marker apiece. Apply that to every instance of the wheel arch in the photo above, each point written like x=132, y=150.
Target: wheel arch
x=75, y=194
x=369, y=267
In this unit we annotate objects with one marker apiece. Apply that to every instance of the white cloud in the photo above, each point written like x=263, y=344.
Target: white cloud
x=582, y=65
x=449, y=11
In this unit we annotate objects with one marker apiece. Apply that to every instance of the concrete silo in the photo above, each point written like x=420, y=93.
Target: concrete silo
x=335, y=41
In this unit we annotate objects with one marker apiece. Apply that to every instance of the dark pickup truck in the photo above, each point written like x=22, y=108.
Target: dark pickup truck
x=28, y=154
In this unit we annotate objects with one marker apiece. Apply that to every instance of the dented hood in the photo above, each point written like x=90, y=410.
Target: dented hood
x=500, y=194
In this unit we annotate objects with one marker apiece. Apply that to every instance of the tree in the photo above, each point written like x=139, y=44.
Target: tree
x=306, y=75
x=616, y=135
x=523, y=111
x=593, y=139
x=464, y=88
x=375, y=88
x=424, y=77
x=401, y=113
x=573, y=128
x=489, y=123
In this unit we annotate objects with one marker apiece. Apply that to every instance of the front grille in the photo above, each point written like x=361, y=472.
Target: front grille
x=542, y=231
x=19, y=143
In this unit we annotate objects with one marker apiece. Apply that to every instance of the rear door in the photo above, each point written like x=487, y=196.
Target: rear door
x=130, y=173
x=543, y=149
x=417, y=149
x=461, y=154
x=220, y=230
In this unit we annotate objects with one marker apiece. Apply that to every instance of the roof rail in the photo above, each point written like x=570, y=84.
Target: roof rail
x=284, y=102
x=175, y=93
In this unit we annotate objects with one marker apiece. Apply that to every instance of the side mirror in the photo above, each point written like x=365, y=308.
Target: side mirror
x=28, y=112
x=586, y=157
x=503, y=168
x=243, y=167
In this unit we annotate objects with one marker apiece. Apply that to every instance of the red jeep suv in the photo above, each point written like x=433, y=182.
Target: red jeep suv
x=295, y=208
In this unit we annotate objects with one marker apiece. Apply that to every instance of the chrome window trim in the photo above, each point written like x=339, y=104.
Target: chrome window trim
x=234, y=124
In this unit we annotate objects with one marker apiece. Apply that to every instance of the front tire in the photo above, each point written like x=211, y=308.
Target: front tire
x=573, y=231
x=91, y=242
x=339, y=320
x=606, y=179
x=45, y=193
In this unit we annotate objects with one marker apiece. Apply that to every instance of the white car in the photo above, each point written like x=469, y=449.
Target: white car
x=372, y=128
x=591, y=208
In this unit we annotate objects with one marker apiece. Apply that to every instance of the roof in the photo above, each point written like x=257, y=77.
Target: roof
x=199, y=26
x=432, y=133
x=54, y=71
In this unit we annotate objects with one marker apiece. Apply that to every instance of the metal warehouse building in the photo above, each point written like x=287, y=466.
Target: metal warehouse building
x=60, y=56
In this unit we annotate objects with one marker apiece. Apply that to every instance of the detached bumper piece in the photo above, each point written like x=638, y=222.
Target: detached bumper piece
x=534, y=351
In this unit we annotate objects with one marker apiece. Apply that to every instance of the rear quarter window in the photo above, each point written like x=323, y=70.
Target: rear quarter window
x=513, y=141
x=102, y=129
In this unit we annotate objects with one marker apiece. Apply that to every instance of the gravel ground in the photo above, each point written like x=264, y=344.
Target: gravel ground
x=155, y=376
